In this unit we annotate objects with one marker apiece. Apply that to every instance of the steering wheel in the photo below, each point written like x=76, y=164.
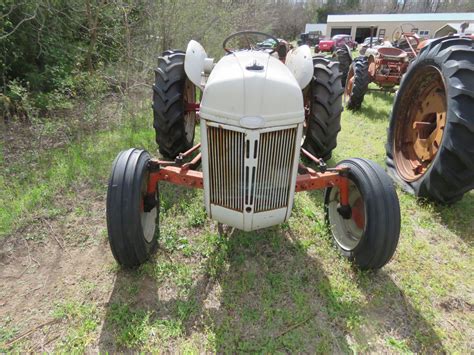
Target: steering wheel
x=397, y=32
x=249, y=46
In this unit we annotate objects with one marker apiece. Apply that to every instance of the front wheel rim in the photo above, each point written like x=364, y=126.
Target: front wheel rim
x=147, y=219
x=347, y=233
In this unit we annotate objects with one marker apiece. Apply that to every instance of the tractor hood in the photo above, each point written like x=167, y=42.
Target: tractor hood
x=252, y=89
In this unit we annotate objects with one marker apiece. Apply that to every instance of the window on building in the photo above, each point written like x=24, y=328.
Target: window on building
x=382, y=33
x=423, y=33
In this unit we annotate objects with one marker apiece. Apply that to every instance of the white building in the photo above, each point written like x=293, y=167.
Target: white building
x=386, y=25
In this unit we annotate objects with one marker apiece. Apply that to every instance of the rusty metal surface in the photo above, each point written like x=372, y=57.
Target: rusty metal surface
x=388, y=71
x=227, y=174
x=273, y=173
x=419, y=130
x=175, y=175
x=349, y=84
x=229, y=177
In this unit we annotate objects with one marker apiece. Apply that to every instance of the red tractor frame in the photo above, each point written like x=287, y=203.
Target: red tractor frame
x=383, y=66
x=185, y=174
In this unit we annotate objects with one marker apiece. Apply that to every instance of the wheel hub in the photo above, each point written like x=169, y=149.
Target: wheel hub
x=189, y=116
x=428, y=125
x=349, y=84
x=420, y=124
x=347, y=229
x=148, y=211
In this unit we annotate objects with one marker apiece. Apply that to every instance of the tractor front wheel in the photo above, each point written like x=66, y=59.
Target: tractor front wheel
x=132, y=215
x=367, y=234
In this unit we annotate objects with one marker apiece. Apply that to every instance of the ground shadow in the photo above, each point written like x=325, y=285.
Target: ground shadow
x=374, y=106
x=272, y=296
x=385, y=96
x=459, y=217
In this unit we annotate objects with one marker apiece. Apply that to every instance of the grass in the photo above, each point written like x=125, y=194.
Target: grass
x=282, y=289
x=81, y=320
x=28, y=192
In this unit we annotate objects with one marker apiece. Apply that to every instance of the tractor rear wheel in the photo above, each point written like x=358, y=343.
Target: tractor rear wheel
x=172, y=91
x=368, y=236
x=430, y=143
x=132, y=217
x=345, y=60
x=324, y=100
x=357, y=83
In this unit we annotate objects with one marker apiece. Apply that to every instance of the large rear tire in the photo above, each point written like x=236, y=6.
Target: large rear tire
x=132, y=218
x=369, y=235
x=430, y=143
x=324, y=97
x=357, y=83
x=174, y=127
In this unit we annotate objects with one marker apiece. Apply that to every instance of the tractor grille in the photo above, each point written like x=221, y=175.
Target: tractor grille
x=226, y=167
x=244, y=173
x=272, y=184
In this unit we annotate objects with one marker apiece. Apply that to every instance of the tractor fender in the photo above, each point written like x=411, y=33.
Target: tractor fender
x=196, y=62
x=300, y=62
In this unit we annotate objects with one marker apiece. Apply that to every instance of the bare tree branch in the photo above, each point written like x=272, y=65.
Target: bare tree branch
x=20, y=23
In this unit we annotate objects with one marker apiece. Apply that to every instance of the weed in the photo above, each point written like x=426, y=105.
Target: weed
x=82, y=320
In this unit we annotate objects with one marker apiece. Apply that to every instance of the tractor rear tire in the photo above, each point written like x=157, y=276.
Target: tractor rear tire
x=437, y=95
x=325, y=96
x=132, y=219
x=369, y=235
x=174, y=127
x=356, y=90
x=345, y=60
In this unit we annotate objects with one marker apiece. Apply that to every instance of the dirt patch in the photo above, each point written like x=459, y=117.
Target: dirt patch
x=456, y=304
x=71, y=263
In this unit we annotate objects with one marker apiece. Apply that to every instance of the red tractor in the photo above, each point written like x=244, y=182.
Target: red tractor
x=383, y=65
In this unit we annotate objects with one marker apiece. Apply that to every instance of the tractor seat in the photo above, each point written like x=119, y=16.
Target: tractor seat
x=392, y=53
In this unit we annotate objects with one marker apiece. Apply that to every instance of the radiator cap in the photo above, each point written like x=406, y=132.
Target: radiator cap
x=252, y=122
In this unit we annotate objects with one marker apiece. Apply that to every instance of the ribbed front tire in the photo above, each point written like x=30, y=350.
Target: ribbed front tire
x=369, y=235
x=132, y=222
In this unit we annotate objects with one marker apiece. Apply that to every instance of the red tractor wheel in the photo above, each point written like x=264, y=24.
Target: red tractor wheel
x=430, y=146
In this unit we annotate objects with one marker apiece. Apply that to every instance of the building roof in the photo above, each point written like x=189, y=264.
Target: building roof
x=457, y=27
x=367, y=18
x=310, y=27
